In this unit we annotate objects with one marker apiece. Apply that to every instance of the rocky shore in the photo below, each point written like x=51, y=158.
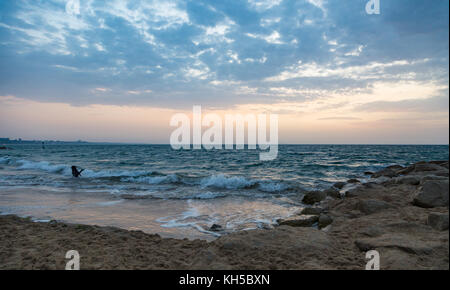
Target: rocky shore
x=402, y=212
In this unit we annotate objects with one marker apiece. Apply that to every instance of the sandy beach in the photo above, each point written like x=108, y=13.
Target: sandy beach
x=403, y=214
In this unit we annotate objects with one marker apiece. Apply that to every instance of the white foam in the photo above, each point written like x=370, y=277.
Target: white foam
x=65, y=169
x=272, y=186
x=45, y=166
x=222, y=181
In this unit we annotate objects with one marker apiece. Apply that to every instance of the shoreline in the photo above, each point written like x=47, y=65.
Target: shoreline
x=400, y=212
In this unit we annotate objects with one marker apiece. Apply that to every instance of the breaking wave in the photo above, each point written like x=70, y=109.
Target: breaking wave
x=213, y=182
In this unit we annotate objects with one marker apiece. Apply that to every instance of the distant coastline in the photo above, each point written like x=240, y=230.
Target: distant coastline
x=18, y=141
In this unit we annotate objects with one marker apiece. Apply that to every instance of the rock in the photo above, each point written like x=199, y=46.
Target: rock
x=339, y=185
x=440, y=162
x=406, y=171
x=312, y=211
x=371, y=206
x=387, y=172
x=441, y=173
x=421, y=167
x=215, y=228
x=395, y=167
x=370, y=185
x=390, y=171
x=425, y=167
x=433, y=193
x=444, y=164
x=312, y=197
x=438, y=221
x=411, y=238
x=306, y=221
x=431, y=177
x=410, y=180
x=3, y=148
x=353, y=180
x=333, y=192
x=354, y=192
x=368, y=173
x=324, y=221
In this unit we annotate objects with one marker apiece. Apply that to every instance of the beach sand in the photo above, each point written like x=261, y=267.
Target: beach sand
x=402, y=213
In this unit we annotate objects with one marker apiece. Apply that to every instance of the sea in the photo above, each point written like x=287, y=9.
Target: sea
x=182, y=193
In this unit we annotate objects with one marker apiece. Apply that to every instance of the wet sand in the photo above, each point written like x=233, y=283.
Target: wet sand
x=170, y=218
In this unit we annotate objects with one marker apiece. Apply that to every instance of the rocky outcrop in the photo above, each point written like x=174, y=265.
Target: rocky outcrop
x=390, y=171
x=411, y=180
x=312, y=197
x=299, y=221
x=312, y=211
x=426, y=168
x=433, y=193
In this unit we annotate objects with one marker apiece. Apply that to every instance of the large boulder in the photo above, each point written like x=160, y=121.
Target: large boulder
x=312, y=211
x=312, y=197
x=304, y=221
x=324, y=221
x=438, y=221
x=216, y=228
x=433, y=193
x=390, y=171
x=371, y=206
x=339, y=185
x=409, y=180
x=355, y=191
x=426, y=167
x=333, y=192
x=353, y=180
x=423, y=167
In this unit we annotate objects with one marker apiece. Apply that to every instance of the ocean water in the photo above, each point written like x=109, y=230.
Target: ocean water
x=182, y=193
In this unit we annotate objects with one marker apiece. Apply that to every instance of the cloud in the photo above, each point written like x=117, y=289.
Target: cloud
x=264, y=4
x=274, y=37
x=373, y=70
x=221, y=53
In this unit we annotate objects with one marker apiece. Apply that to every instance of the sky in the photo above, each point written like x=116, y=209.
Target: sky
x=118, y=70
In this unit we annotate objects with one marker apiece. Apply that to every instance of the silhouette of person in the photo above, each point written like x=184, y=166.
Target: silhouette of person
x=76, y=172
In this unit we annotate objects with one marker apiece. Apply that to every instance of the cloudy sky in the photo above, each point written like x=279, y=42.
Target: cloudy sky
x=117, y=71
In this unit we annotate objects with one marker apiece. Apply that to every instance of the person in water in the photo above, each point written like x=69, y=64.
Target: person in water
x=76, y=172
